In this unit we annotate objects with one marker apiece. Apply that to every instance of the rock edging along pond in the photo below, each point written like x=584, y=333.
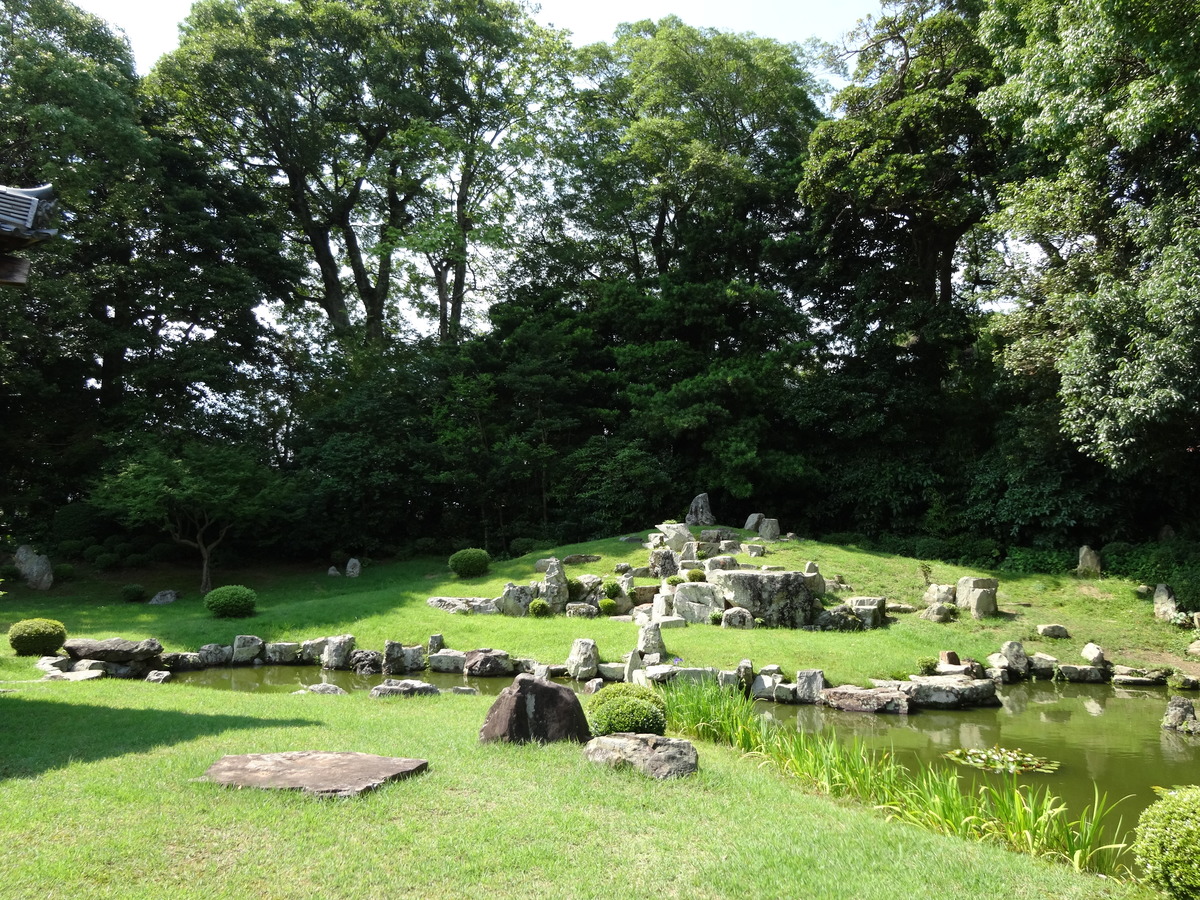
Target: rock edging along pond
x=956, y=685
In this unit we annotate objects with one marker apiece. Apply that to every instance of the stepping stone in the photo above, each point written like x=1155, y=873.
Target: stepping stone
x=319, y=773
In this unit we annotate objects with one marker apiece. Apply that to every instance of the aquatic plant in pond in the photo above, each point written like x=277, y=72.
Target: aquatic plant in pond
x=1027, y=820
x=1001, y=759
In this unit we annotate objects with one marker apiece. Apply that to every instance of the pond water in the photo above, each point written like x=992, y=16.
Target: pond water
x=1100, y=734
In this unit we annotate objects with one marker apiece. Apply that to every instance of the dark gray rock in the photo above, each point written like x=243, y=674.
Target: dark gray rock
x=366, y=662
x=533, y=709
x=116, y=650
x=1181, y=716
x=407, y=687
x=182, y=662
x=700, y=511
x=650, y=754
x=319, y=773
x=162, y=598
x=580, y=559
x=488, y=663
x=34, y=567
x=399, y=660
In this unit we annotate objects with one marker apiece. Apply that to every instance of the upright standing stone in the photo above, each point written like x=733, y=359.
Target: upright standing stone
x=553, y=588
x=1165, y=606
x=768, y=529
x=353, y=568
x=650, y=640
x=677, y=536
x=663, y=563
x=584, y=660
x=337, y=652
x=533, y=709
x=700, y=512
x=34, y=568
x=1089, y=562
x=753, y=521
x=1018, y=661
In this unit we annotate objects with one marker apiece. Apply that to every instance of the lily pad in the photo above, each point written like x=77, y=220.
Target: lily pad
x=1002, y=759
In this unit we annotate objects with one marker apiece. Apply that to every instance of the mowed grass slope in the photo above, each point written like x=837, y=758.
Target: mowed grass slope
x=97, y=784
x=388, y=603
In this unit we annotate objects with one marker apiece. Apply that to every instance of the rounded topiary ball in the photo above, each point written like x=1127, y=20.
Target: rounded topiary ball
x=608, y=607
x=613, y=692
x=470, y=563
x=540, y=609
x=1168, y=833
x=233, y=601
x=629, y=714
x=37, y=637
x=696, y=575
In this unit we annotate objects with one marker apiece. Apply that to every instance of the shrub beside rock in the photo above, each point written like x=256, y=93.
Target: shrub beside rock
x=1168, y=833
x=540, y=609
x=628, y=707
x=37, y=637
x=233, y=601
x=470, y=563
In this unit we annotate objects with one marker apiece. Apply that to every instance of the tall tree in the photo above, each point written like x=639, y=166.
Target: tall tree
x=376, y=128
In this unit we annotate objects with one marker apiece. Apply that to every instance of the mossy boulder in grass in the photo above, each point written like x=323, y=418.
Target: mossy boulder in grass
x=233, y=601
x=470, y=563
x=37, y=637
x=1168, y=833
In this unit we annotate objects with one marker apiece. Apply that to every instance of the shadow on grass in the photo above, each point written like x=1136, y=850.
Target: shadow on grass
x=41, y=735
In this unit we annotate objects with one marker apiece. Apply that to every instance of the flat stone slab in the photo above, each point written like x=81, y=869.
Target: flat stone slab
x=313, y=771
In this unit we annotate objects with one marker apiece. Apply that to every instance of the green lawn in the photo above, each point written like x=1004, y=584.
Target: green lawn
x=99, y=797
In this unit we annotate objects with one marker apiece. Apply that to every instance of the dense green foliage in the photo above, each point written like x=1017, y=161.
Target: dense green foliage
x=540, y=609
x=470, y=562
x=37, y=637
x=1165, y=846
x=233, y=601
x=625, y=707
x=958, y=311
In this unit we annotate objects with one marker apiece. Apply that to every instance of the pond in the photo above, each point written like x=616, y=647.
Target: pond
x=1110, y=736
x=1100, y=734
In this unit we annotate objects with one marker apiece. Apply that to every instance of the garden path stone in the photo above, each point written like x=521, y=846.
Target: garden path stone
x=315, y=772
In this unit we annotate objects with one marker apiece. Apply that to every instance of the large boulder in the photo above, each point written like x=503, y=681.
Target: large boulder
x=700, y=512
x=35, y=568
x=650, y=640
x=487, y=663
x=859, y=699
x=945, y=691
x=663, y=563
x=978, y=595
x=696, y=601
x=366, y=662
x=1089, y=562
x=116, y=650
x=553, y=587
x=445, y=660
x=753, y=521
x=768, y=529
x=871, y=610
x=214, y=655
x=677, y=536
x=534, y=709
x=281, y=653
x=1018, y=662
x=650, y=754
x=247, y=648
x=399, y=660
x=780, y=599
x=938, y=593
x=1165, y=606
x=1181, y=716
x=584, y=661
x=336, y=654
x=737, y=617
x=515, y=600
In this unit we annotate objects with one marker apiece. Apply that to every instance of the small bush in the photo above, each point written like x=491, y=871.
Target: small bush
x=715, y=617
x=70, y=549
x=64, y=572
x=233, y=601
x=696, y=575
x=92, y=553
x=470, y=563
x=540, y=609
x=608, y=607
x=37, y=637
x=674, y=580
x=1166, y=839
x=628, y=707
x=9, y=572
x=106, y=561
x=926, y=665
x=574, y=589
x=112, y=541
x=133, y=593
x=136, y=561
x=628, y=714
x=612, y=589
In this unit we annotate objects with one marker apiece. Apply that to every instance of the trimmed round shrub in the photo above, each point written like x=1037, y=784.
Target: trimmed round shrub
x=470, y=563
x=64, y=572
x=540, y=609
x=133, y=593
x=233, y=601
x=106, y=561
x=608, y=607
x=628, y=714
x=612, y=589
x=70, y=549
x=927, y=665
x=1166, y=839
x=37, y=637
x=674, y=580
x=696, y=575
x=612, y=692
